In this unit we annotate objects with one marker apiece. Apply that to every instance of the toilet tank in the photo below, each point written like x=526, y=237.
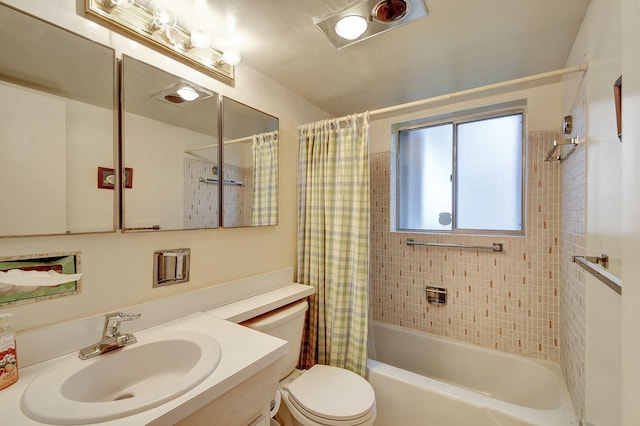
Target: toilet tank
x=285, y=323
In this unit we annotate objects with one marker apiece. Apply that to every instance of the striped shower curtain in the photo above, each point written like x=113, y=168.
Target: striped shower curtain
x=333, y=240
x=264, y=197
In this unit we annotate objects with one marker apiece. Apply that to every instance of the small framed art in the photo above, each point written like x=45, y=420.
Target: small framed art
x=107, y=178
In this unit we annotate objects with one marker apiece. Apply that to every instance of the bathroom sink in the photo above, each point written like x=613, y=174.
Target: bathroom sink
x=123, y=382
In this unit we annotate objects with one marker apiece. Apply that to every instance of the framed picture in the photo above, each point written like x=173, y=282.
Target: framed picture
x=128, y=177
x=107, y=178
x=617, y=94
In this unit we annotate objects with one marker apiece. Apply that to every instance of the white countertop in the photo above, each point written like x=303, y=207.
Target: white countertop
x=244, y=353
x=259, y=304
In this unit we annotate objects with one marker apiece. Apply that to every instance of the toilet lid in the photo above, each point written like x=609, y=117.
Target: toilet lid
x=332, y=393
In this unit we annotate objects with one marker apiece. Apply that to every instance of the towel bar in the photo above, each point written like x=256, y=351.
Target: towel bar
x=494, y=246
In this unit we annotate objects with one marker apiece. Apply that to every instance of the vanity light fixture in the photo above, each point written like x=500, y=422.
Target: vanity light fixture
x=231, y=56
x=199, y=38
x=161, y=28
x=164, y=18
x=121, y=3
x=369, y=18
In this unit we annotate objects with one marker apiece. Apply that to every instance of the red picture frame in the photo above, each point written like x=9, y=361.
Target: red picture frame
x=106, y=178
x=128, y=177
x=617, y=95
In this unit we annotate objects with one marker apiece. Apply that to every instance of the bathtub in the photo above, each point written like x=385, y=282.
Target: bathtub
x=421, y=379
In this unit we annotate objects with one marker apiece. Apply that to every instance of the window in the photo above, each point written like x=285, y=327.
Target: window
x=461, y=175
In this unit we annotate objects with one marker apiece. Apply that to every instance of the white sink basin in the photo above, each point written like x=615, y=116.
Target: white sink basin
x=123, y=382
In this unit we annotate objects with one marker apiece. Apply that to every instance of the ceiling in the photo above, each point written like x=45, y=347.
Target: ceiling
x=461, y=44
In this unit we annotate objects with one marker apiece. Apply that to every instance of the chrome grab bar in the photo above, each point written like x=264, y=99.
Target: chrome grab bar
x=494, y=246
x=596, y=265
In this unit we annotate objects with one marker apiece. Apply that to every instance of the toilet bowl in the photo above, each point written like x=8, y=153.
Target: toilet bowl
x=323, y=395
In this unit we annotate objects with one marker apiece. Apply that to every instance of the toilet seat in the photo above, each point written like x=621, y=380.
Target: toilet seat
x=332, y=396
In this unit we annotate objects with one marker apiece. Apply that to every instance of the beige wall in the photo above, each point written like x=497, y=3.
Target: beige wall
x=630, y=212
x=117, y=267
x=599, y=44
x=543, y=110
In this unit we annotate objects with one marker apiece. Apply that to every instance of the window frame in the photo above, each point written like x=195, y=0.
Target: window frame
x=456, y=118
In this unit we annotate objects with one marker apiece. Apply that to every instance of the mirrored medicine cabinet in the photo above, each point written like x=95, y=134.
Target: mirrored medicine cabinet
x=58, y=121
x=250, y=154
x=159, y=127
x=60, y=142
x=176, y=174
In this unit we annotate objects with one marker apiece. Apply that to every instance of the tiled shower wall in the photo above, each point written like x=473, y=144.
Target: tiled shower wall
x=573, y=279
x=503, y=300
x=201, y=199
x=237, y=198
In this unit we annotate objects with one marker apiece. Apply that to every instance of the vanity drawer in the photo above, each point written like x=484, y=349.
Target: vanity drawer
x=241, y=405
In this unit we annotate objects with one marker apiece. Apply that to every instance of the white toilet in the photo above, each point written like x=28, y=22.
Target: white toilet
x=322, y=395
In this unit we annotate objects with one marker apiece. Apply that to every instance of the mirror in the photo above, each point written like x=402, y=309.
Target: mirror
x=169, y=151
x=57, y=105
x=250, y=169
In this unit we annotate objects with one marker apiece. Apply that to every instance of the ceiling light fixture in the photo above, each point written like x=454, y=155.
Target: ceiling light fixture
x=188, y=93
x=370, y=17
x=161, y=29
x=182, y=93
x=388, y=11
x=351, y=27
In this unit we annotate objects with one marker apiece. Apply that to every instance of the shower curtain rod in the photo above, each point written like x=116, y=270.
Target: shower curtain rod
x=213, y=145
x=535, y=77
x=239, y=140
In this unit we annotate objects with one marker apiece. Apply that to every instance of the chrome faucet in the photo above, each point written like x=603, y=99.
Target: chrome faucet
x=111, y=336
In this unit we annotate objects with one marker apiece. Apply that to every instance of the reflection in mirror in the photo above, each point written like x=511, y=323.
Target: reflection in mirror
x=250, y=154
x=57, y=97
x=168, y=187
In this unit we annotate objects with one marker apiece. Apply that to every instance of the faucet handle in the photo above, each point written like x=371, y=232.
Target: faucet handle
x=113, y=320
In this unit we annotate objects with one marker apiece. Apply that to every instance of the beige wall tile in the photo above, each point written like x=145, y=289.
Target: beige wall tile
x=507, y=301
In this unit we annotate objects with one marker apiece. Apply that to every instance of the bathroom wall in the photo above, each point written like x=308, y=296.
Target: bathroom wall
x=593, y=178
x=573, y=279
x=52, y=148
x=87, y=207
x=631, y=213
x=507, y=301
x=117, y=267
x=157, y=159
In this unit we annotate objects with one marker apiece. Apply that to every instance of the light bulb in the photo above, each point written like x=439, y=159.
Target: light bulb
x=231, y=21
x=351, y=27
x=200, y=38
x=164, y=18
x=173, y=36
x=121, y=3
x=231, y=56
x=188, y=93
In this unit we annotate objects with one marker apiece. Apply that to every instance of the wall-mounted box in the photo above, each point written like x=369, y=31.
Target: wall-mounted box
x=42, y=277
x=171, y=266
